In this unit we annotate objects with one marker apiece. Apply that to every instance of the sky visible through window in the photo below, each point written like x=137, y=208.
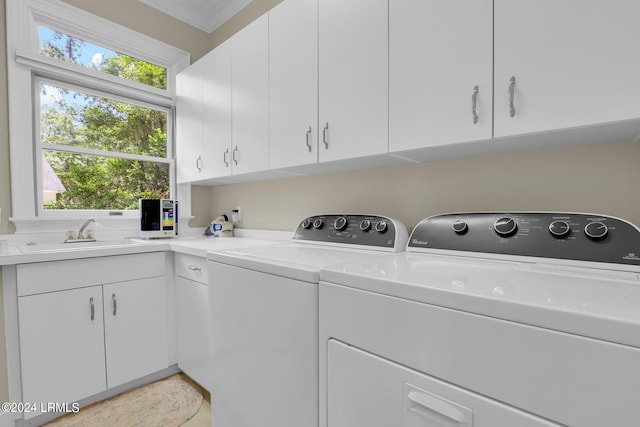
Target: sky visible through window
x=91, y=56
x=72, y=49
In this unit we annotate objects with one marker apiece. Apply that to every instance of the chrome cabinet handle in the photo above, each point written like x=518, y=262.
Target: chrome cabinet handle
x=308, y=137
x=93, y=309
x=199, y=163
x=115, y=304
x=474, y=103
x=194, y=268
x=235, y=160
x=512, y=91
x=224, y=157
x=325, y=131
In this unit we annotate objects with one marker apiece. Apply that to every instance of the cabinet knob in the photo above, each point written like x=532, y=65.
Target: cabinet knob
x=235, y=159
x=115, y=304
x=512, y=94
x=93, y=309
x=308, y=139
x=199, y=163
x=474, y=103
x=325, y=133
x=224, y=157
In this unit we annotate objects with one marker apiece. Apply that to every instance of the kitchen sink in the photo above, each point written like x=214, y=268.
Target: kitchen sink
x=66, y=247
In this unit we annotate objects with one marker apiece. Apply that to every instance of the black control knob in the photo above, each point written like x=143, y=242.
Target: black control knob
x=306, y=223
x=340, y=223
x=381, y=226
x=365, y=225
x=505, y=226
x=318, y=223
x=460, y=227
x=559, y=229
x=596, y=230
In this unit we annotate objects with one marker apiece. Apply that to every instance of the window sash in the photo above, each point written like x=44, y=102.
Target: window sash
x=74, y=74
x=94, y=90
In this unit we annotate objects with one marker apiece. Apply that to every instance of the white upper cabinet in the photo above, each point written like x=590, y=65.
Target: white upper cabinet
x=353, y=78
x=573, y=63
x=293, y=83
x=216, y=112
x=440, y=72
x=250, y=103
x=189, y=123
x=203, y=116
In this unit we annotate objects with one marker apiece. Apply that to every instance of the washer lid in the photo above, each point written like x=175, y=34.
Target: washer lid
x=603, y=304
x=293, y=260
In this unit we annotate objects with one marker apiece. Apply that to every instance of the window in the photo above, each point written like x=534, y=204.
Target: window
x=65, y=47
x=105, y=153
x=96, y=133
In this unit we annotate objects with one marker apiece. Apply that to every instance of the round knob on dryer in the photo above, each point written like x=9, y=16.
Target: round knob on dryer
x=318, y=223
x=559, y=229
x=596, y=230
x=365, y=225
x=505, y=226
x=381, y=226
x=460, y=226
x=340, y=223
x=306, y=223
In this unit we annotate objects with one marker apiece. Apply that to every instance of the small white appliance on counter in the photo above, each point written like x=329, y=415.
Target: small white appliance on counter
x=158, y=218
x=487, y=320
x=264, y=318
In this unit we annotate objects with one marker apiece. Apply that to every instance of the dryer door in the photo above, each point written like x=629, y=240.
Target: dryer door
x=366, y=390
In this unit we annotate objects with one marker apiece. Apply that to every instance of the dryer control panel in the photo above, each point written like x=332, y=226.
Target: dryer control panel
x=353, y=229
x=570, y=236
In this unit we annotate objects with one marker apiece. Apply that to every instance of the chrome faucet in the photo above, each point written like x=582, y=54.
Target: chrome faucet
x=80, y=237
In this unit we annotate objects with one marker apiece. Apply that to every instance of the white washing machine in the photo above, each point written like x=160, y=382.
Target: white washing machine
x=264, y=318
x=487, y=320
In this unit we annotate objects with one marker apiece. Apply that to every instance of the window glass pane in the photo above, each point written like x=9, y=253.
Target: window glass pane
x=69, y=117
x=72, y=49
x=77, y=181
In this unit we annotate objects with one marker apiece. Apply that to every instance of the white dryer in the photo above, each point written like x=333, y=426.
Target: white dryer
x=264, y=318
x=487, y=320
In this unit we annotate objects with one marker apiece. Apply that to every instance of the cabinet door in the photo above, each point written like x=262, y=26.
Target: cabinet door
x=574, y=63
x=216, y=112
x=61, y=345
x=353, y=78
x=135, y=328
x=440, y=72
x=192, y=313
x=249, y=91
x=189, y=123
x=293, y=83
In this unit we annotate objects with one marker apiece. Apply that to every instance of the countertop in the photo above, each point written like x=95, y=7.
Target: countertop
x=192, y=245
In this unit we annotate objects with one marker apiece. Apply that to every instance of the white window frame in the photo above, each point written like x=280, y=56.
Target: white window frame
x=25, y=64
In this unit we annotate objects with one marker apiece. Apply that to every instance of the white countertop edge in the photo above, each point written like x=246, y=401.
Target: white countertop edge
x=179, y=244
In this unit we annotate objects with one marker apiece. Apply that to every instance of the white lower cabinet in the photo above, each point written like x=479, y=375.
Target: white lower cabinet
x=192, y=317
x=366, y=390
x=135, y=329
x=78, y=337
x=62, y=345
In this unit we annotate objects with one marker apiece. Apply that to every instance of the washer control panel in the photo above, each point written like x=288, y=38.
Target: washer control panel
x=352, y=229
x=572, y=236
